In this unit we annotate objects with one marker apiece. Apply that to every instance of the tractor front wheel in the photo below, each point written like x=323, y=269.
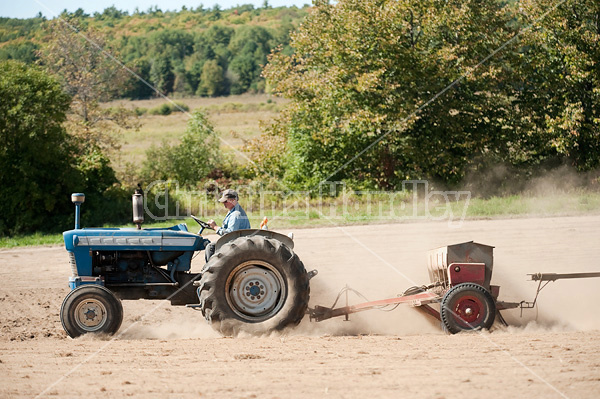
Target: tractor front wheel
x=467, y=307
x=91, y=309
x=253, y=284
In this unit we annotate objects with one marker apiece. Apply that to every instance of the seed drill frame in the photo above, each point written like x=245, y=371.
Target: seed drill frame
x=460, y=278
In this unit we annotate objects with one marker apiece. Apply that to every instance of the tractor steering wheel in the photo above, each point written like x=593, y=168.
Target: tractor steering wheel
x=202, y=224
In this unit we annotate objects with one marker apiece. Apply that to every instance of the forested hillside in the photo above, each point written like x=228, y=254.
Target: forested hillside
x=200, y=51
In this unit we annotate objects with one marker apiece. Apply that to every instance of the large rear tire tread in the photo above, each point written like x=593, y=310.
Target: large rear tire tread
x=213, y=302
x=453, y=323
x=96, y=294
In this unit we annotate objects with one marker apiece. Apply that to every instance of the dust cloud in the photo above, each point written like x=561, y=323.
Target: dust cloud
x=158, y=320
x=501, y=180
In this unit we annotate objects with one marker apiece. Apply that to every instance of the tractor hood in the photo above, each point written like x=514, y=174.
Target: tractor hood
x=175, y=238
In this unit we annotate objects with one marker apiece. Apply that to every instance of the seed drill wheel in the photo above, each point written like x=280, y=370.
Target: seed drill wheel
x=253, y=284
x=467, y=307
x=91, y=309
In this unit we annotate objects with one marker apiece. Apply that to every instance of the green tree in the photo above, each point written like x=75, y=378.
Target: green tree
x=215, y=15
x=36, y=174
x=182, y=83
x=361, y=79
x=90, y=77
x=212, y=82
x=218, y=36
x=559, y=96
x=110, y=13
x=25, y=51
x=250, y=47
x=161, y=74
x=189, y=162
x=135, y=88
x=172, y=43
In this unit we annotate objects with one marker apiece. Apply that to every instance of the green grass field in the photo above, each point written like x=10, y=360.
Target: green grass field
x=235, y=118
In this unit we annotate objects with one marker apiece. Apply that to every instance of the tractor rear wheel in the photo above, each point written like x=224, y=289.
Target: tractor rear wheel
x=253, y=284
x=467, y=307
x=91, y=309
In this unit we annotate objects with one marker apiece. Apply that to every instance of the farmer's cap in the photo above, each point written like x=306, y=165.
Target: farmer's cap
x=228, y=194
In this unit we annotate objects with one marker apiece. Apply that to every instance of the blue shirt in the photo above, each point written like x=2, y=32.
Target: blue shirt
x=236, y=219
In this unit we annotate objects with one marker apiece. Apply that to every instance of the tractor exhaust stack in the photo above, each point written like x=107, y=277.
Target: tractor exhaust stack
x=137, y=201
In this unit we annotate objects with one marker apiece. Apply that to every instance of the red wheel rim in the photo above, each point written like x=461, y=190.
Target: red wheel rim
x=469, y=311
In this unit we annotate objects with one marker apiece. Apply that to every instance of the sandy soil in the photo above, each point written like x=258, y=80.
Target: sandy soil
x=165, y=351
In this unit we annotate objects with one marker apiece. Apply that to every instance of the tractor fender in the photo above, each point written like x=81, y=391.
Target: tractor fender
x=287, y=241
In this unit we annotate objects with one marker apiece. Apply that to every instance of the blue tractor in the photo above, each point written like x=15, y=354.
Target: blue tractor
x=253, y=283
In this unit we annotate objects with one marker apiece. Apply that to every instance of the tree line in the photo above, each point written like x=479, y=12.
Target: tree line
x=199, y=51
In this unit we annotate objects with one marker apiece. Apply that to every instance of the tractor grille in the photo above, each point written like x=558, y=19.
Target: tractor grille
x=73, y=264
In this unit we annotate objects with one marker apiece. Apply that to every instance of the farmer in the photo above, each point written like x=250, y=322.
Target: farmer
x=236, y=218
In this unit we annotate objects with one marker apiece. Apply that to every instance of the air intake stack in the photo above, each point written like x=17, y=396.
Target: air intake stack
x=77, y=199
